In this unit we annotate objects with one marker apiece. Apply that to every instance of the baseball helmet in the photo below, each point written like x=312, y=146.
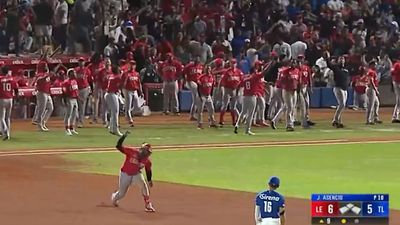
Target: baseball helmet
x=147, y=146
x=274, y=181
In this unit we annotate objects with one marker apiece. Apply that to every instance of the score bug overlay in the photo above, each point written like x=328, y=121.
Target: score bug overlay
x=350, y=208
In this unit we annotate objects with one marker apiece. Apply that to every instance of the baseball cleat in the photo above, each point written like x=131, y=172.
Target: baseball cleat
x=80, y=126
x=177, y=114
x=273, y=126
x=340, y=125
x=68, y=133
x=35, y=123
x=149, y=208
x=263, y=124
x=369, y=123
x=192, y=118
x=42, y=129
x=214, y=126
x=297, y=123
x=377, y=121
x=250, y=133
x=6, y=138
x=310, y=123
x=74, y=132
x=200, y=127
x=114, y=203
x=289, y=129
x=334, y=124
x=166, y=113
x=235, y=130
x=395, y=121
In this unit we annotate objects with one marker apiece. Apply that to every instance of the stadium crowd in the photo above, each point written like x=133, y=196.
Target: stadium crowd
x=189, y=37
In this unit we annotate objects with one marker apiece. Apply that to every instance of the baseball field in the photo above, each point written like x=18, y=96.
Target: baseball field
x=205, y=176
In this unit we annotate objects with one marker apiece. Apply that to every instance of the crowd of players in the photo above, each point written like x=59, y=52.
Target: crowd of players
x=272, y=88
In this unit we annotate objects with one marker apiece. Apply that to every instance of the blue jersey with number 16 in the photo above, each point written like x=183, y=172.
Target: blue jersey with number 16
x=270, y=203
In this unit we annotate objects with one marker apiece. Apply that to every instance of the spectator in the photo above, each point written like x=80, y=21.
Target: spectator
x=111, y=51
x=12, y=28
x=61, y=21
x=44, y=14
x=283, y=48
x=359, y=36
x=297, y=30
x=335, y=5
x=298, y=48
x=81, y=25
x=237, y=43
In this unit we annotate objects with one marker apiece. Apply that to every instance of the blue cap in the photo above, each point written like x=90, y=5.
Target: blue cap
x=274, y=181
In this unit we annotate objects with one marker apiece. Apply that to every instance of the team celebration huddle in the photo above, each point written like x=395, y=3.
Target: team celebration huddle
x=260, y=97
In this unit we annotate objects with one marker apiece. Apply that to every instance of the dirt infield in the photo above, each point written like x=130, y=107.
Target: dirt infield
x=33, y=189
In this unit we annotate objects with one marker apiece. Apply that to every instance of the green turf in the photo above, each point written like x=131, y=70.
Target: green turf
x=187, y=134
x=350, y=168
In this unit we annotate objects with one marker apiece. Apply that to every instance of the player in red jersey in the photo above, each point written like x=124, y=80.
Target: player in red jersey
x=114, y=84
x=230, y=83
x=83, y=76
x=130, y=174
x=260, y=100
x=191, y=73
x=132, y=89
x=170, y=70
x=71, y=94
x=100, y=88
x=372, y=95
x=304, y=97
x=218, y=70
x=359, y=85
x=205, y=86
x=289, y=78
x=250, y=89
x=8, y=87
x=396, y=86
x=44, y=102
x=96, y=68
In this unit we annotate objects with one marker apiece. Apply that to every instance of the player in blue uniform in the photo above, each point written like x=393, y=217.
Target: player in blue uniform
x=270, y=205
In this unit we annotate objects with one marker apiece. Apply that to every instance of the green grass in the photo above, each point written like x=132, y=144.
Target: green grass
x=187, y=134
x=350, y=168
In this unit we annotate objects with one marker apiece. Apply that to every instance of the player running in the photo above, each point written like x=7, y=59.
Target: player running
x=270, y=205
x=250, y=85
x=135, y=160
x=114, y=84
x=191, y=72
x=83, y=76
x=205, y=86
x=71, y=94
x=230, y=83
x=396, y=86
x=8, y=86
x=132, y=89
x=44, y=102
x=372, y=95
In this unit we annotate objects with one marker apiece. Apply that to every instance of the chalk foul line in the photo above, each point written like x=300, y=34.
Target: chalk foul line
x=164, y=148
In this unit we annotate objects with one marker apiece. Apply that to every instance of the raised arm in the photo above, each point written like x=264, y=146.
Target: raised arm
x=121, y=141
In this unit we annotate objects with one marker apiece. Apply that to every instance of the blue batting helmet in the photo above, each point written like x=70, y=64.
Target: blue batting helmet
x=274, y=181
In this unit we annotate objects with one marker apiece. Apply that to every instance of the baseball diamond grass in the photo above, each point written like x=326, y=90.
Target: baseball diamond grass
x=188, y=134
x=349, y=168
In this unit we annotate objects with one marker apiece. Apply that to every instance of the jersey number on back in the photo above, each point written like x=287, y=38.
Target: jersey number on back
x=247, y=84
x=267, y=206
x=6, y=87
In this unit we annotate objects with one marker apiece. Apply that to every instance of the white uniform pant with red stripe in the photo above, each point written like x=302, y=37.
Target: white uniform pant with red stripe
x=5, y=115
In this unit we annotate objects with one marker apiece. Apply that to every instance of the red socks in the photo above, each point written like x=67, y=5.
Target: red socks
x=146, y=199
x=233, y=115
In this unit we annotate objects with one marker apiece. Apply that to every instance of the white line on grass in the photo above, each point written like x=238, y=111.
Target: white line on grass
x=105, y=150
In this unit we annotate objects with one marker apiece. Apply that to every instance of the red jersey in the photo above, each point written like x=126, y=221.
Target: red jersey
x=70, y=88
x=114, y=82
x=278, y=82
x=396, y=72
x=290, y=79
x=7, y=86
x=102, y=77
x=206, y=84
x=95, y=69
x=43, y=82
x=218, y=73
x=232, y=78
x=260, y=87
x=133, y=164
x=57, y=83
x=192, y=71
x=251, y=84
x=371, y=74
x=82, y=77
x=305, y=75
x=360, y=83
x=131, y=81
x=125, y=67
x=170, y=70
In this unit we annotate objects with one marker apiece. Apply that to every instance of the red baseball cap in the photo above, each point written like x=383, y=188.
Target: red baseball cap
x=133, y=62
x=219, y=61
x=129, y=55
x=258, y=63
x=220, y=54
x=81, y=59
x=274, y=54
x=233, y=61
x=169, y=54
